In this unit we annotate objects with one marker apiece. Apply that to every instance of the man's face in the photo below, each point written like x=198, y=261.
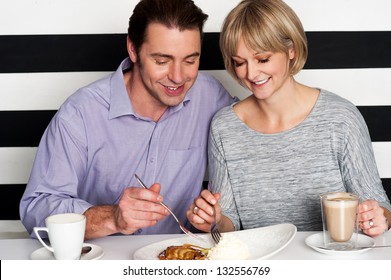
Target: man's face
x=167, y=64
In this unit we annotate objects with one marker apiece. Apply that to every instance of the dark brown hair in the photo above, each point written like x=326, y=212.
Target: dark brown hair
x=181, y=14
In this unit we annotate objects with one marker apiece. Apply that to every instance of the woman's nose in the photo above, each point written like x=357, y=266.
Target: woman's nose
x=252, y=71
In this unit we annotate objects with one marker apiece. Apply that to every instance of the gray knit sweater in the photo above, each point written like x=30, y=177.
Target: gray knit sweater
x=267, y=179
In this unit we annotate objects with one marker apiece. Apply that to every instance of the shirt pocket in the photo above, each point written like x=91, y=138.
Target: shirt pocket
x=185, y=169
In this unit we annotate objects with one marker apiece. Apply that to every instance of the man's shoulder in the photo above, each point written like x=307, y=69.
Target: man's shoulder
x=90, y=97
x=207, y=79
x=205, y=76
x=91, y=91
x=210, y=88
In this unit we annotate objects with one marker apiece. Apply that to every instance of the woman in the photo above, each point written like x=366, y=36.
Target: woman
x=272, y=154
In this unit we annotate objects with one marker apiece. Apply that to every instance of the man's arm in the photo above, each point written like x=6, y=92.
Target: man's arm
x=137, y=208
x=100, y=221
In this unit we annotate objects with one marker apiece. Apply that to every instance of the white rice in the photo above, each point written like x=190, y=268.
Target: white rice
x=230, y=247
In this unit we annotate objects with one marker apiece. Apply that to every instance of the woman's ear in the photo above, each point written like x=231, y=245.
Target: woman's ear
x=291, y=53
x=131, y=50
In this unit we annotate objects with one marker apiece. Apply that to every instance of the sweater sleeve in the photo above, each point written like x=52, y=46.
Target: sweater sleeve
x=359, y=168
x=219, y=177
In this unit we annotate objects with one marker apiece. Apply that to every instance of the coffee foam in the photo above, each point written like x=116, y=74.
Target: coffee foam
x=334, y=200
x=340, y=202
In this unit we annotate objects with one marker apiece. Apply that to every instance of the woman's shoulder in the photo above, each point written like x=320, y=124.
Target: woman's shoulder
x=339, y=109
x=224, y=118
x=334, y=103
x=224, y=113
x=335, y=99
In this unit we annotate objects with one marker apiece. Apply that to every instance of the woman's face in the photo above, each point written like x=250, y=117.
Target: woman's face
x=263, y=73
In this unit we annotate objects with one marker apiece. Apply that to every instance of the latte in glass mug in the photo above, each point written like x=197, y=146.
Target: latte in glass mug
x=341, y=216
x=339, y=213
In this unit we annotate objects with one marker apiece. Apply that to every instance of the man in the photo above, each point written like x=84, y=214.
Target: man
x=150, y=117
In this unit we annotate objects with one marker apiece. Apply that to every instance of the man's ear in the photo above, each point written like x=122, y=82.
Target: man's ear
x=131, y=50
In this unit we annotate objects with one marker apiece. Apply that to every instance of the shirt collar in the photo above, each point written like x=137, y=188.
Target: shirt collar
x=119, y=100
x=120, y=103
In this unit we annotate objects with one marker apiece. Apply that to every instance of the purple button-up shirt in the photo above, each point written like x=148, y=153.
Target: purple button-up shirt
x=96, y=143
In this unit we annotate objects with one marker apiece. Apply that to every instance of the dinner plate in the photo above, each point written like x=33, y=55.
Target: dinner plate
x=262, y=242
x=44, y=254
x=315, y=241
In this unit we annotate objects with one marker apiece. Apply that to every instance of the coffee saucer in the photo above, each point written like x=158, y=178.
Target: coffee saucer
x=44, y=254
x=315, y=241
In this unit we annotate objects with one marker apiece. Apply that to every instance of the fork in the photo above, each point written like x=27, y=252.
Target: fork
x=182, y=227
x=214, y=231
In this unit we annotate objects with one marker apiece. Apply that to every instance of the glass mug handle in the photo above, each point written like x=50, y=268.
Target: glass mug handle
x=36, y=230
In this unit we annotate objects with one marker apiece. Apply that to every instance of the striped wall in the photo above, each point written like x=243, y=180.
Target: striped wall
x=49, y=48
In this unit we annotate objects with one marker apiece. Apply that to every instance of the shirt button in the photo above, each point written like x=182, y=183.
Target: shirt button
x=152, y=160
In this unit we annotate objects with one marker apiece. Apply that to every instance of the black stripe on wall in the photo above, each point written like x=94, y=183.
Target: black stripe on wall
x=378, y=119
x=103, y=52
x=61, y=53
x=25, y=128
x=9, y=208
x=335, y=50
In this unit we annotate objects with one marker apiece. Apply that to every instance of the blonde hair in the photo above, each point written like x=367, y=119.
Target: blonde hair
x=264, y=25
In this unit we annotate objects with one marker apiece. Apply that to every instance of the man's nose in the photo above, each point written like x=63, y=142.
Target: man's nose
x=176, y=73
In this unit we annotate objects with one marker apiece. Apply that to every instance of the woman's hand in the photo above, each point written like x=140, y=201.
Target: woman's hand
x=200, y=213
x=371, y=218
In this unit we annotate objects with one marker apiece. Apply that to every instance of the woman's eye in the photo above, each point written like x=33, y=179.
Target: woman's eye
x=263, y=60
x=238, y=64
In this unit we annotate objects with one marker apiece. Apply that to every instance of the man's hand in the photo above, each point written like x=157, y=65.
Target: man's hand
x=137, y=208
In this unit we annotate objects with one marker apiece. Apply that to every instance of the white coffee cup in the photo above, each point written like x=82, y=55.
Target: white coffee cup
x=66, y=235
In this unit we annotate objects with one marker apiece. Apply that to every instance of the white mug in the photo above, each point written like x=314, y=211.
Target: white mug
x=66, y=235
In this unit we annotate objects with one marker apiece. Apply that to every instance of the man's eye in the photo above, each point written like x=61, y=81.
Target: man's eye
x=161, y=62
x=191, y=62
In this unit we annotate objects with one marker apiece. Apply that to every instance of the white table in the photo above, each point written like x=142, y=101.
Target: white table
x=123, y=247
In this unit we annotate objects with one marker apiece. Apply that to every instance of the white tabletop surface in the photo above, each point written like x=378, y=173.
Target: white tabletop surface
x=123, y=247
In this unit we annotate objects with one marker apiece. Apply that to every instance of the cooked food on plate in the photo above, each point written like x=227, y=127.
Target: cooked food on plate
x=184, y=252
x=230, y=247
